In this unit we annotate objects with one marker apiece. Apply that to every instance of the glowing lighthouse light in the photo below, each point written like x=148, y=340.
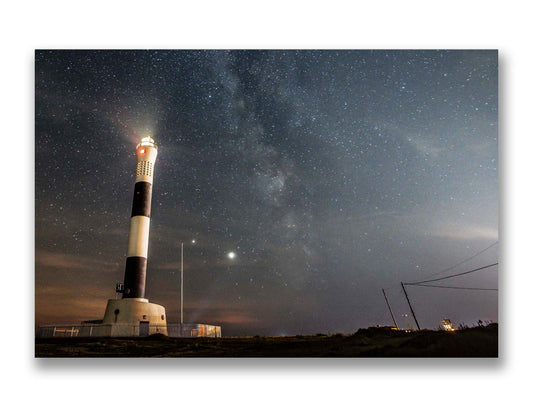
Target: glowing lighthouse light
x=147, y=141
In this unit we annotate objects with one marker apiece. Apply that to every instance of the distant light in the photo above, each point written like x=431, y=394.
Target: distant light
x=231, y=255
x=193, y=241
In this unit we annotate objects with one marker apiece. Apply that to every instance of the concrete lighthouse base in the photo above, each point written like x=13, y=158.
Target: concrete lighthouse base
x=132, y=317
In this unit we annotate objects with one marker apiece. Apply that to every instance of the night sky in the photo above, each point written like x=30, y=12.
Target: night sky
x=329, y=174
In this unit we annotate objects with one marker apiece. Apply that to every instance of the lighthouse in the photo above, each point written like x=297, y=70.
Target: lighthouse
x=137, y=257
x=134, y=315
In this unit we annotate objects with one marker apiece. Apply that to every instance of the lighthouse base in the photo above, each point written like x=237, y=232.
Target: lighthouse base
x=132, y=317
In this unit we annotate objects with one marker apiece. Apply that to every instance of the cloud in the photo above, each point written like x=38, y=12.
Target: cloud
x=461, y=231
x=235, y=318
x=69, y=261
x=64, y=304
x=424, y=147
x=59, y=260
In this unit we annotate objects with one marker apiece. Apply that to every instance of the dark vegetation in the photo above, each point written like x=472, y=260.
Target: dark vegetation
x=480, y=341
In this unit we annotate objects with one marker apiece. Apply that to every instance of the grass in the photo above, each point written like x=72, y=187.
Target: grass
x=369, y=342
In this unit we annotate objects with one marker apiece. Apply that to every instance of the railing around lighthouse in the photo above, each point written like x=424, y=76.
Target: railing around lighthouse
x=128, y=330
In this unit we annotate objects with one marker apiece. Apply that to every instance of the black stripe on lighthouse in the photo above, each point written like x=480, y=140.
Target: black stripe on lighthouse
x=135, y=277
x=142, y=199
x=136, y=262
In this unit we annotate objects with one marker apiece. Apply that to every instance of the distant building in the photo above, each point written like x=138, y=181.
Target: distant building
x=447, y=325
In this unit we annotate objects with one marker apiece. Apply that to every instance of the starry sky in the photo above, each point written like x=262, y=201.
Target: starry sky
x=331, y=174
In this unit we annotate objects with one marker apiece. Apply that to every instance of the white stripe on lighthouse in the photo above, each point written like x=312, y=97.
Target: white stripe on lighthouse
x=138, y=239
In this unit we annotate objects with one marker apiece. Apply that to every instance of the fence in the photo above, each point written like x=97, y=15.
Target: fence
x=58, y=330
x=193, y=331
x=128, y=330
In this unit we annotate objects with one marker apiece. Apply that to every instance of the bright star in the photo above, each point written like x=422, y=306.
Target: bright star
x=231, y=255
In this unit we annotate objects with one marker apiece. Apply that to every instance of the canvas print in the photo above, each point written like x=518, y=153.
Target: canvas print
x=266, y=203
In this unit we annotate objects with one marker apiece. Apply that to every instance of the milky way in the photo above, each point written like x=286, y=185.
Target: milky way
x=328, y=174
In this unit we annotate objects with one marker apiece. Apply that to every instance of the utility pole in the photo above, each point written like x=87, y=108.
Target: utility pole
x=409, y=302
x=387, y=301
x=181, y=307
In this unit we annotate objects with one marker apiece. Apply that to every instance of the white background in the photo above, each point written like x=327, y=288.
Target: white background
x=27, y=25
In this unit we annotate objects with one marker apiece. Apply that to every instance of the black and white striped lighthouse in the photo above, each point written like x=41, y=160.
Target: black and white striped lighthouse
x=137, y=255
x=134, y=315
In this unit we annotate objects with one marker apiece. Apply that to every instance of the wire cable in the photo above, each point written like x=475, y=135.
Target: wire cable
x=454, y=275
x=465, y=260
x=456, y=288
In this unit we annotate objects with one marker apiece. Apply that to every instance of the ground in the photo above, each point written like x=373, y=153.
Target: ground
x=370, y=342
